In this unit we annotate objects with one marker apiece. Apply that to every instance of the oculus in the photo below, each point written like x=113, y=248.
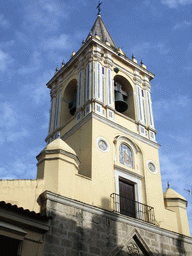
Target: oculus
x=102, y=144
x=152, y=167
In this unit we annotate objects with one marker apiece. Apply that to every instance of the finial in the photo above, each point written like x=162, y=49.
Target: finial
x=56, y=70
x=142, y=62
x=99, y=8
x=168, y=185
x=63, y=63
x=73, y=53
x=83, y=42
x=90, y=33
x=133, y=56
x=58, y=135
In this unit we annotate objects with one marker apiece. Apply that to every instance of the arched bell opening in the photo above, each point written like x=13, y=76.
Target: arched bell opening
x=124, y=101
x=69, y=101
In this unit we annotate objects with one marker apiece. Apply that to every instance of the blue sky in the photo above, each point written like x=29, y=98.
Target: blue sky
x=37, y=35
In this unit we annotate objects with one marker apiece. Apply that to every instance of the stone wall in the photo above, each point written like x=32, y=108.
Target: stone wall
x=78, y=229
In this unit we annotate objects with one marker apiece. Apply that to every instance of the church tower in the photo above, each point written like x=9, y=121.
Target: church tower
x=101, y=110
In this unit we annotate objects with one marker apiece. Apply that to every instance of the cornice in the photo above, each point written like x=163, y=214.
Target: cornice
x=105, y=46
x=58, y=151
x=123, y=58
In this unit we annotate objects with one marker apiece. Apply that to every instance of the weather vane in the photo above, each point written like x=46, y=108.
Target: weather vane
x=99, y=8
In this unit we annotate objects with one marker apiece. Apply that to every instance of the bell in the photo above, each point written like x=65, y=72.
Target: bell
x=120, y=104
x=72, y=104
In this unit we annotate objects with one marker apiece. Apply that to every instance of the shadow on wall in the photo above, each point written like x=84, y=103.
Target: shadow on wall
x=80, y=232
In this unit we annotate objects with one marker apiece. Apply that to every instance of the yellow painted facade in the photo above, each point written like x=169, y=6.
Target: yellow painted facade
x=98, y=145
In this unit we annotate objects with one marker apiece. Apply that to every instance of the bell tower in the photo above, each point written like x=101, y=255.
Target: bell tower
x=100, y=83
x=101, y=107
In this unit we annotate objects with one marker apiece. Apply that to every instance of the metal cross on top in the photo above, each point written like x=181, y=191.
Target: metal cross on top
x=98, y=7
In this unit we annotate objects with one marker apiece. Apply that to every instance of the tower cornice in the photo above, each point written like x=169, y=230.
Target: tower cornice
x=114, y=52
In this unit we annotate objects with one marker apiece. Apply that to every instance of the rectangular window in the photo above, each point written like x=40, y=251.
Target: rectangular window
x=103, y=70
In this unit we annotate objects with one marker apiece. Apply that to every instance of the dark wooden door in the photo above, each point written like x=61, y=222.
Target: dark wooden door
x=127, y=198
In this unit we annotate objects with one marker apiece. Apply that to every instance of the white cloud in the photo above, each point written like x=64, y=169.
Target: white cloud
x=2, y=138
x=4, y=22
x=8, y=116
x=180, y=139
x=27, y=70
x=7, y=44
x=61, y=42
x=22, y=167
x=5, y=60
x=176, y=168
x=45, y=13
x=175, y=3
x=38, y=87
x=33, y=66
x=14, y=136
x=143, y=49
x=188, y=68
x=8, y=124
x=169, y=105
x=182, y=25
x=154, y=10
x=162, y=48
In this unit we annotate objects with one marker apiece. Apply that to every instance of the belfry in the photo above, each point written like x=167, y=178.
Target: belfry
x=99, y=176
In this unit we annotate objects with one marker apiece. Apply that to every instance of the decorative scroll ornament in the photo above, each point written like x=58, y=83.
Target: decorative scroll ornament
x=133, y=250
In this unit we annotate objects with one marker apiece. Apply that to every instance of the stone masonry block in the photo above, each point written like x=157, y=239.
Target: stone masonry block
x=147, y=240
x=151, y=235
x=52, y=239
x=95, y=250
x=73, y=236
x=59, y=232
x=166, y=247
x=66, y=243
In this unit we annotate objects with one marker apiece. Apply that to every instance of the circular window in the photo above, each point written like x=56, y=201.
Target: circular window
x=102, y=144
x=152, y=167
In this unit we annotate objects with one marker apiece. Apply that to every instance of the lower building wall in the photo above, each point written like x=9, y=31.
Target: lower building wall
x=23, y=193
x=81, y=229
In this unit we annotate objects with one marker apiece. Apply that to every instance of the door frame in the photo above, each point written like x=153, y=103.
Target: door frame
x=134, y=179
